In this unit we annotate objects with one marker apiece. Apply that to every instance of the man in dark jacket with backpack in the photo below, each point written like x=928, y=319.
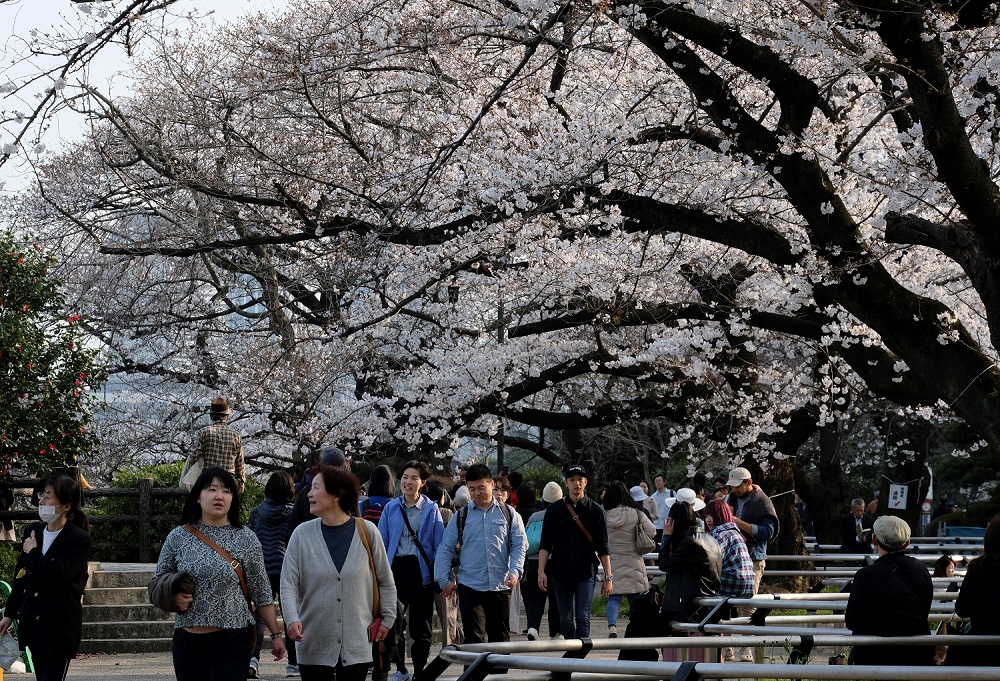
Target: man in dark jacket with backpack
x=489, y=539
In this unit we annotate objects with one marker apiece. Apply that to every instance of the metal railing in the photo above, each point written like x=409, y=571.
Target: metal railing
x=144, y=493
x=481, y=660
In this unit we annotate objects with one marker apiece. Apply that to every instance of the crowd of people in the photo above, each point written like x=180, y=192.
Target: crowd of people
x=361, y=572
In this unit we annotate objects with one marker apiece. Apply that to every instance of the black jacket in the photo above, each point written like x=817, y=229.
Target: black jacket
x=849, y=534
x=269, y=521
x=979, y=600
x=694, y=569
x=892, y=597
x=47, y=590
x=574, y=557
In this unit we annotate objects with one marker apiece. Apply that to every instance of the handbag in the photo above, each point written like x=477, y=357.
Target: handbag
x=944, y=629
x=191, y=471
x=376, y=622
x=235, y=564
x=643, y=542
x=9, y=652
x=534, y=533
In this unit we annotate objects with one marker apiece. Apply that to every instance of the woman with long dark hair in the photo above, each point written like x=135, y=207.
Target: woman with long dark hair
x=979, y=601
x=214, y=628
x=682, y=516
x=627, y=564
x=50, y=576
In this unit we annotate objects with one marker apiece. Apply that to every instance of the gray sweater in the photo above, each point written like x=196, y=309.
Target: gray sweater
x=335, y=608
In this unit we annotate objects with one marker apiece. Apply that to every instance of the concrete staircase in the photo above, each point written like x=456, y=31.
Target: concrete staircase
x=117, y=616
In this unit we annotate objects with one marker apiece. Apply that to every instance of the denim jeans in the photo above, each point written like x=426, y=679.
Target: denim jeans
x=575, y=599
x=614, y=606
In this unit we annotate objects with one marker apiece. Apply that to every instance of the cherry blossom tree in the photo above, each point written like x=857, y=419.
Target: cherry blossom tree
x=399, y=224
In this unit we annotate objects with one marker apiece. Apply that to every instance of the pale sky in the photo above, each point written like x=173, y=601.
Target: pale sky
x=23, y=16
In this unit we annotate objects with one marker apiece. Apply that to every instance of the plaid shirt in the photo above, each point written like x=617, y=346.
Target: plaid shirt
x=737, y=568
x=220, y=445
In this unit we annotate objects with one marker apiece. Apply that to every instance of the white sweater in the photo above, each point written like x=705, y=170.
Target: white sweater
x=335, y=608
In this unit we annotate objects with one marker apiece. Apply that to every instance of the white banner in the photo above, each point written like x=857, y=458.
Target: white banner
x=897, y=496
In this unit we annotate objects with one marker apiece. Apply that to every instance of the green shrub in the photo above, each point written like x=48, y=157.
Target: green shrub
x=8, y=557
x=125, y=537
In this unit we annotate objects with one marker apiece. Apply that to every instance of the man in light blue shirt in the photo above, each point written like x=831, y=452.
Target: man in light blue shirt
x=491, y=544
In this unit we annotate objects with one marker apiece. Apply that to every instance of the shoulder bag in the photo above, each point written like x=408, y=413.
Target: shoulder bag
x=376, y=598
x=576, y=516
x=643, y=542
x=192, y=469
x=237, y=568
x=423, y=554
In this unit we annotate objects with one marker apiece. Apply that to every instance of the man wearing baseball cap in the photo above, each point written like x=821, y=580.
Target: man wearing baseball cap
x=575, y=535
x=756, y=518
x=891, y=597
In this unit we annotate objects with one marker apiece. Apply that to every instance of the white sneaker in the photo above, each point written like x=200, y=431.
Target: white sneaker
x=559, y=636
x=401, y=676
x=746, y=654
x=612, y=631
x=254, y=667
x=292, y=671
x=532, y=634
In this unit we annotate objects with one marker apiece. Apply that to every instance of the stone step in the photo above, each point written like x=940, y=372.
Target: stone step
x=119, y=595
x=125, y=645
x=126, y=630
x=124, y=613
x=112, y=575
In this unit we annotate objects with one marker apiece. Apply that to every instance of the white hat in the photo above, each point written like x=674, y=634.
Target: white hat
x=892, y=533
x=638, y=494
x=462, y=497
x=686, y=495
x=552, y=492
x=737, y=476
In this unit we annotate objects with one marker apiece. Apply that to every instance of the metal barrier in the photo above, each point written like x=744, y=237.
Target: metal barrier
x=482, y=659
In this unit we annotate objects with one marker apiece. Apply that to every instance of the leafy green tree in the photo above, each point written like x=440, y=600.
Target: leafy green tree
x=45, y=405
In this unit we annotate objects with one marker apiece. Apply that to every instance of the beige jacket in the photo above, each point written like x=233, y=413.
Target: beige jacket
x=626, y=564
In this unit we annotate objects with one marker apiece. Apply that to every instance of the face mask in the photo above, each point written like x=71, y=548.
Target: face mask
x=48, y=513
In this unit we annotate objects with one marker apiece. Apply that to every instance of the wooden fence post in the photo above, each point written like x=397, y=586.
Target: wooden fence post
x=145, y=512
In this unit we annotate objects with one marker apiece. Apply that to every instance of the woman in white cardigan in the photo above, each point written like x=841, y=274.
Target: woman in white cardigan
x=327, y=591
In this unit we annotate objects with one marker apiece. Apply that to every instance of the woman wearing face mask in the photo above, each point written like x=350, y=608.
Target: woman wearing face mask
x=50, y=576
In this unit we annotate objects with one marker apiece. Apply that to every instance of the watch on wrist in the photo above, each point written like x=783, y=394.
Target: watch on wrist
x=277, y=634
x=609, y=578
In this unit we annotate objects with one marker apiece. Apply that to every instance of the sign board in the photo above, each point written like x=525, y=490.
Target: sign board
x=897, y=496
x=926, y=508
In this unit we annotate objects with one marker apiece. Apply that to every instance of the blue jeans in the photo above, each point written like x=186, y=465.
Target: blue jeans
x=614, y=606
x=574, y=600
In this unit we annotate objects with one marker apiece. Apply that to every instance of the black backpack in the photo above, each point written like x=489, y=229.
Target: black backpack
x=371, y=512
